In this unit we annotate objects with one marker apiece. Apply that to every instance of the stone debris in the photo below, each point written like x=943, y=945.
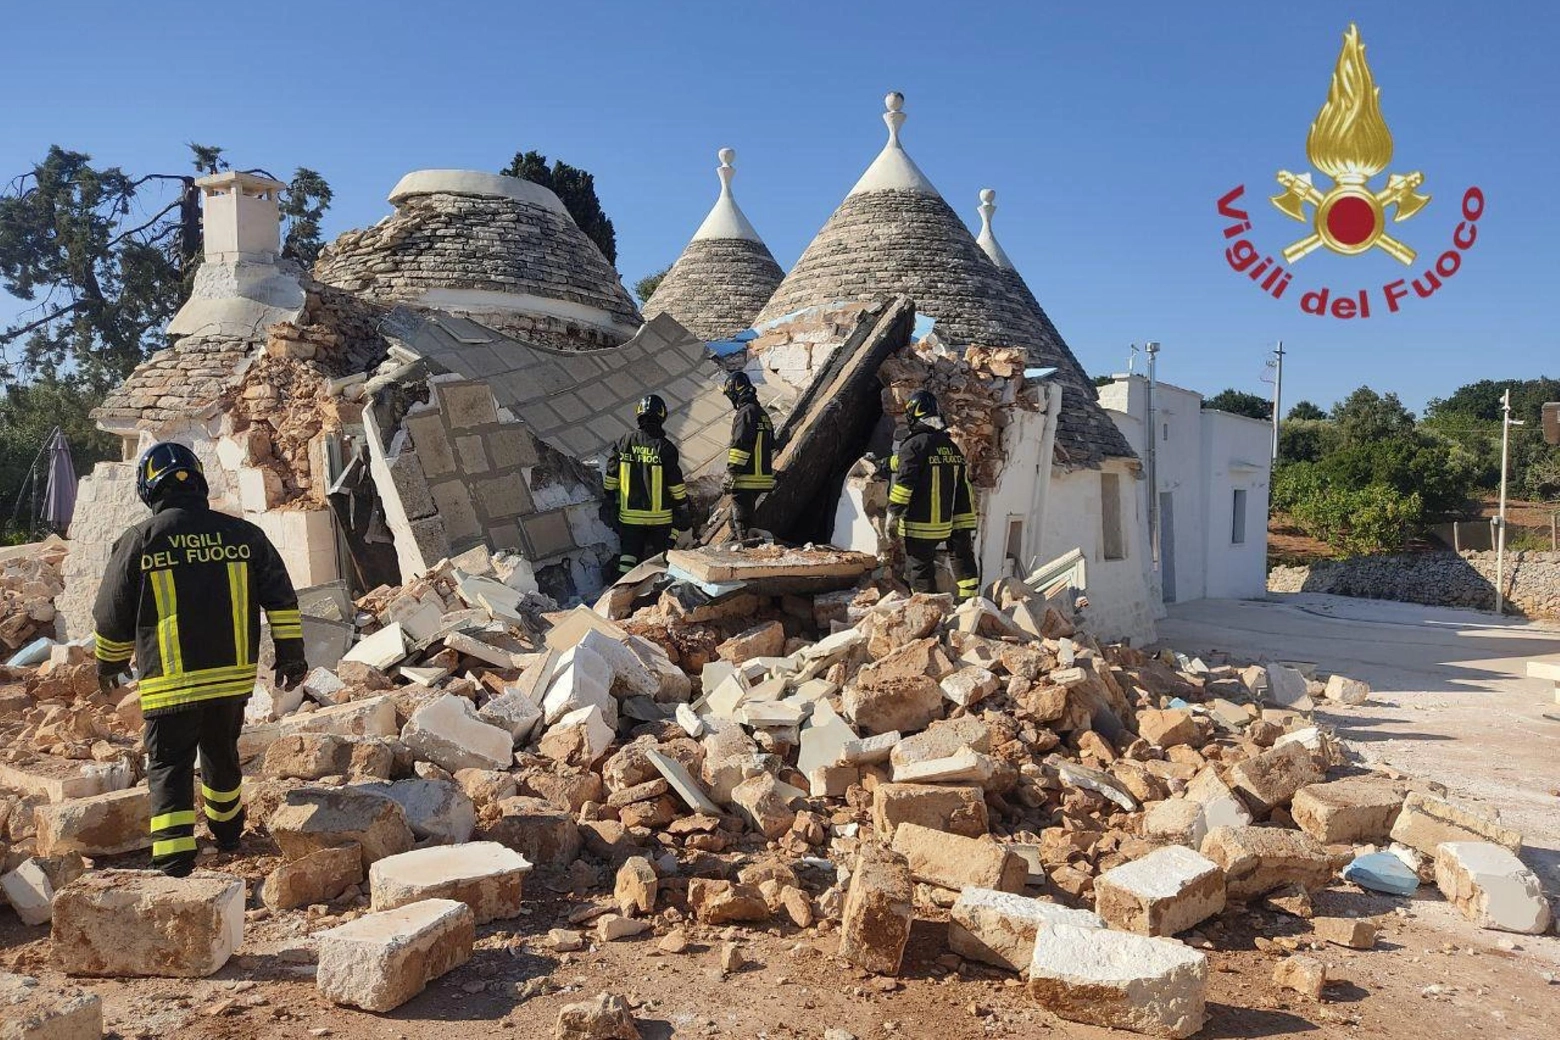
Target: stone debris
x=142, y=922
x=1427, y=821
x=319, y=877
x=878, y=910
x=30, y=892
x=1119, y=980
x=314, y=818
x=1344, y=690
x=1169, y=890
x=486, y=876
x=954, y=861
x=102, y=825
x=1257, y=860
x=605, y=1017
x=1357, y=933
x=1492, y=887
x=1304, y=975
x=32, y=1011
x=1357, y=810
x=1000, y=928
x=380, y=961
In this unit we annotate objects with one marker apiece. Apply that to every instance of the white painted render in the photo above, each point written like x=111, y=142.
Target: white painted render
x=487, y=301
x=726, y=219
x=474, y=182
x=893, y=169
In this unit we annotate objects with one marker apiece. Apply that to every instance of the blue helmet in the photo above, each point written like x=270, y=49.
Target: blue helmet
x=166, y=465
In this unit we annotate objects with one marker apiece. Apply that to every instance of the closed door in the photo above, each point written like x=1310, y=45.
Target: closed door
x=1167, y=546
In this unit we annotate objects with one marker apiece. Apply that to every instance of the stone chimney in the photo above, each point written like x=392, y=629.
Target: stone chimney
x=241, y=220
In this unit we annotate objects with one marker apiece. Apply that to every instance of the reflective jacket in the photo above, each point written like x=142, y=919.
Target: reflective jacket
x=182, y=593
x=932, y=479
x=750, y=460
x=644, y=475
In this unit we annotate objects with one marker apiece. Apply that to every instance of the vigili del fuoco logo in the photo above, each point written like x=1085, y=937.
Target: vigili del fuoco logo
x=1350, y=143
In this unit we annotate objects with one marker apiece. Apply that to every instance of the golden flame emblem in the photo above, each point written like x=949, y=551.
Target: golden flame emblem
x=1350, y=143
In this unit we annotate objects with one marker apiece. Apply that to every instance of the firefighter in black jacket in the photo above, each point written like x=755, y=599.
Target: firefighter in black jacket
x=931, y=501
x=643, y=496
x=750, y=466
x=183, y=593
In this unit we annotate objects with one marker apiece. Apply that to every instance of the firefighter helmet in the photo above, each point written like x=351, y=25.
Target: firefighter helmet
x=922, y=405
x=166, y=465
x=737, y=386
x=651, y=409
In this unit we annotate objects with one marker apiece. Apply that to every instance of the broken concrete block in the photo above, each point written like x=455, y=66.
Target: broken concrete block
x=1346, y=691
x=1119, y=980
x=962, y=767
x=513, y=712
x=943, y=738
x=824, y=738
x=435, y=809
x=607, y=1017
x=957, y=810
x=578, y=738
x=30, y=1011
x=60, y=779
x=543, y=833
x=1426, y=822
x=1178, y=820
x=730, y=757
x=1357, y=810
x=878, y=910
x=1168, y=728
x=102, y=825
x=832, y=781
x=447, y=732
x=1256, y=860
x=266, y=704
x=1287, y=688
x=1221, y=807
x=905, y=704
x=631, y=677
x=369, y=717
x=308, y=756
x=763, y=806
x=581, y=679
x=29, y=891
x=1000, y=928
x=318, y=877
x=1167, y=891
x=314, y=818
x=956, y=862
x=682, y=782
x=1357, y=933
x=1269, y=780
x=486, y=876
x=1491, y=887
x=142, y=922
x=382, y=650
x=636, y=886
x=1305, y=975
x=380, y=961
x=766, y=639
x=866, y=751
x=723, y=902
x=969, y=686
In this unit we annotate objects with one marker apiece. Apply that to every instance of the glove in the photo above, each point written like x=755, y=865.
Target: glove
x=111, y=676
x=896, y=516
x=728, y=485
x=682, y=517
x=290, y=673
x=608, y=512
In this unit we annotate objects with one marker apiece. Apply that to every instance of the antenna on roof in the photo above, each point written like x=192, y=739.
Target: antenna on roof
x=894, y=117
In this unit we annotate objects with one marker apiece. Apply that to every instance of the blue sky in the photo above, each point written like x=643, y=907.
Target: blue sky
x=1108, y=130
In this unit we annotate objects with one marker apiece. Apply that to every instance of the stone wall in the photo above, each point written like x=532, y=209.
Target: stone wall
x=106, y=504
x=1440, y=579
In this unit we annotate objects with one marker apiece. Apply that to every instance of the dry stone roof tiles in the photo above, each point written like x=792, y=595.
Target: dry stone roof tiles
x=179, y=382
x=467, y=231
x=717, y=287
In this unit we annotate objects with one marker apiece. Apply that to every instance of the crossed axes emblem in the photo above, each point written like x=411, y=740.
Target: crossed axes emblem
x=1400, y=191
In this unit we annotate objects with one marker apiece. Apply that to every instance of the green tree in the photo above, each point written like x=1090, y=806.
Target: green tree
x=1104, y=380
x=1239, y=402
x=28, y=413
x=303, y=207
x=1305, y=410
x=576, y=189
x=1306, y=440
x=646, y=286
x=1366, y=416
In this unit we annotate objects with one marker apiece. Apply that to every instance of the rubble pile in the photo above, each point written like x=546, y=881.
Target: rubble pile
x=975, y=389
x=729, y=752
x=29, y=581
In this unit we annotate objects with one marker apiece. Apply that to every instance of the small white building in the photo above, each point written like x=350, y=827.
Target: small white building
x=1211, y=470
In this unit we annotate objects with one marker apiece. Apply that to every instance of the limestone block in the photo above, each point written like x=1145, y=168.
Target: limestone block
x=962, y=767
x=1000, y=928
x=103, y=825
x=607, y=1017
x=1344, y=690
x=142, y=922
x=436, y=810
x=314, y=818
x=1304, y=975
x=319, y=877
x=30, y=892
x=30, y=1011
x=582, y=679
x=369, y=717
x=636, y=886
x=682, y=781
x=447, y=732
x=1220, y=805
x=324, y=686
x=907, y=705
x=1357, y=810
x=763, y=805
x=543, y=833
x=824, y=738
x=1269, y=780
x=723, y=902
x=1491, y=887
x=943, y=738
x=1167, y=891
x=486, y=876
x=955, y=861
x=308, y=756
x=381, y=650
x=1256, y=860
x=514, y=712
x=878, y=910
x=1426, y=822
x=1357, y=933
x=1287, y=688
x=1178, y=820
x=957, y=810
x=380, y=961
x=1168, y=728
x=866, y=751
x=59, y=779
x=766, y=639
x=969, y=685
x=1120, y=980
x=579, y=738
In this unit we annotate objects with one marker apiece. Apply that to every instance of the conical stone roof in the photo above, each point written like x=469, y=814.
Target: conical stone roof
x=1081, y=427
x=725, y=274
x=894, y=234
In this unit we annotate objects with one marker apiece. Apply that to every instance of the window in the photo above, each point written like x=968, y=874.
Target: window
x=1112, y=545
x=1238, y=521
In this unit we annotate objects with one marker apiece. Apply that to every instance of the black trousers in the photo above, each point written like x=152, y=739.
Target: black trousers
x=640, y=543
x=921, y=564
x=210, y=728
x=743, y=505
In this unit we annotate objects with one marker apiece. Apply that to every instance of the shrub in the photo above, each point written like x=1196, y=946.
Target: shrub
x=1363, y=521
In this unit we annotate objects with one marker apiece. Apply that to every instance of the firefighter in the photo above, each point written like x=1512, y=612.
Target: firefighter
x=750, y=468
x=182, y=594
x=643, y=496
x=931, y=502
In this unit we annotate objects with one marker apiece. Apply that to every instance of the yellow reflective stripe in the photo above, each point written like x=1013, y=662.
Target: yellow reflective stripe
x=758, y=452
x=625, y=479
x=751, y=482
x=106, y=643
x=900, y=495
x=679, y=492
x=738, y=457
x=609, y=483
x=177, y=698
x=283, y=615
x=645, y=517
x=158, y=683
x=965, y=522
x=173, y=846
x=893, y=463
x=220, y=796
x=935, y=532
x=166, y=594
x=223, y=815
x=238, y=600
x=657, y=487
x=182, y=818
x=936, y=495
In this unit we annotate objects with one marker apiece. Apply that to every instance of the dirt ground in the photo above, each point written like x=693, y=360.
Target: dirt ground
x=1450, y=703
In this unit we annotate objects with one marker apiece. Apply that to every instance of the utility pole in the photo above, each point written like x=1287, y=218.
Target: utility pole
x=1278, y=392
x=1506, y=423
x=1151, y=431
